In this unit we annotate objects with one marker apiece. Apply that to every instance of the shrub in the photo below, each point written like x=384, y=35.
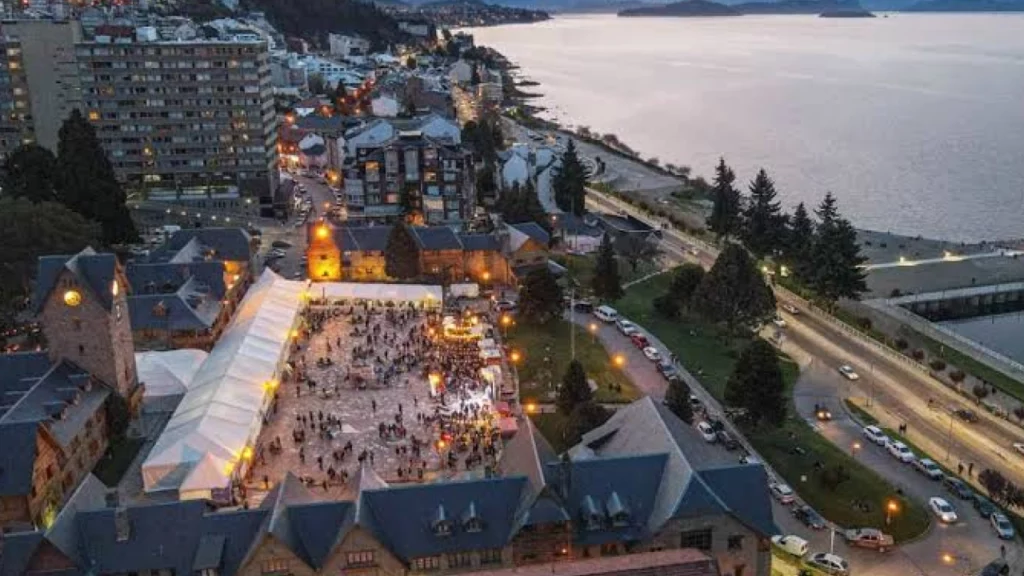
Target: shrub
x=957, y=376
x=980, y=391
x=864, y=322
x=917, y=354
x=938, y=364
x=901, y=344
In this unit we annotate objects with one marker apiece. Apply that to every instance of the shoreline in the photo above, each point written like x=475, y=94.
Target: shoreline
x=530, y=114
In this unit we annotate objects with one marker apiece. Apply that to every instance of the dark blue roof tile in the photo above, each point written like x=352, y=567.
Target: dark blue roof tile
x=17, y=457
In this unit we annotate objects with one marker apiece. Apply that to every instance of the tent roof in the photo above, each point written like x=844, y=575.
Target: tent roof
x=393, y=292
x=221, y=412
x=168, y=373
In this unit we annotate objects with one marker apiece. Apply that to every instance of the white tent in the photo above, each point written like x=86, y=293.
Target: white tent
x=430, y=296
x=168, y=373
x=222, y=412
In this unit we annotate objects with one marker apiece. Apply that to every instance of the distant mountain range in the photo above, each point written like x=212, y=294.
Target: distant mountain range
x=784, y=6
x=831, y=8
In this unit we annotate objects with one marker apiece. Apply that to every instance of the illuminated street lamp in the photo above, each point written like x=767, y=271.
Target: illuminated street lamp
x=531, y=408
x=856, y=448
x=593, y=332
x=516, y=356
x=506, y=320
x=891, y=508
x=619, y=360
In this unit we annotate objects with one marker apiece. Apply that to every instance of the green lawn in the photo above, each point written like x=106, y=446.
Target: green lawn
x=860, y=413
x=117, y=459
x=582, y=268
x=702, y=348
x=545, y=358
x=971, y=366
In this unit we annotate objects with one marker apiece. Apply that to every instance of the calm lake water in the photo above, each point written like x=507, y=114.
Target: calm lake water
x=916, y=122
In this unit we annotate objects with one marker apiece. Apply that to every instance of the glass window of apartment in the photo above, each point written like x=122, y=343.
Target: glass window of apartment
x=427, y=563
x=360, y=558
x=490, y=556
x=699, y=539
x=460, y=560
x=735, y=542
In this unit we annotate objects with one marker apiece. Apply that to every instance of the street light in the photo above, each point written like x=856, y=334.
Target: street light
x=516, y=356
x=954, y=559
x=891, y=508
x=593, y=332
x=619, y=360
x=856, y=448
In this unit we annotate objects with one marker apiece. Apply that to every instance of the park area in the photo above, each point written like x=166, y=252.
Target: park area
x=794, y=449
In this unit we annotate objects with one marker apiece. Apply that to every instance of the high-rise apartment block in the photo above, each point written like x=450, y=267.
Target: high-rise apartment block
x=181, y=115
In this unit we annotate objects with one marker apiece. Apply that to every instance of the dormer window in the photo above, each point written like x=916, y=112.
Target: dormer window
x=590, y=514
x=617, y=512
x=471, y=521
x=442, y=525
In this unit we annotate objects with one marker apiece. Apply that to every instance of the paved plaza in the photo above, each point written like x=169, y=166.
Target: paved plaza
x=361, y=390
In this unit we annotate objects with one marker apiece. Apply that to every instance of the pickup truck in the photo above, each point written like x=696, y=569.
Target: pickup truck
x=868, y=538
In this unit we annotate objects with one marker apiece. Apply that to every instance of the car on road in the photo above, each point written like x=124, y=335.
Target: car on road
x=830, y=563
x=966, y=415
x=809, y=517
x=639, y=340
x=1001, y=524
x=667, y=369
x=1019, y=447
x=779, y=322
x=790, y=308
x=283, y=244
x=942, y=509
x=652, y=354
x=706, y=432
x=868, y=538
x=626, y=327
x=794, y=545
x=606, y=313
x=505, y=306
x=929, y=468
x=958, y=487
x=726, y=439
x=585, y=306
x=821, y=412
x=900, y=451
x=695, y=404
x=782, y=492
x=848, y=372
x=875, y=435
x=984, y=506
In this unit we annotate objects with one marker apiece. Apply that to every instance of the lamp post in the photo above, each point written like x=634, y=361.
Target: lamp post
x=593, y=332
x=951, y=559
x=891, y=508
x=619, y=360
x=856, y=448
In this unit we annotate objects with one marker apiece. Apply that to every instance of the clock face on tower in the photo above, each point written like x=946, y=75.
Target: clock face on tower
x=72, y=298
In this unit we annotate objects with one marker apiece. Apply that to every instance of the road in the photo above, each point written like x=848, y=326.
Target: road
x=902, y=391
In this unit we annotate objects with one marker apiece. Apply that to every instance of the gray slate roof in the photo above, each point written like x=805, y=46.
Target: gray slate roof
x=474, y=242
x=18, y=549
x=436, y=238
x=17, y=457
x=94, y=271
x=320, y=527
x=222, y=244
x=534, y=231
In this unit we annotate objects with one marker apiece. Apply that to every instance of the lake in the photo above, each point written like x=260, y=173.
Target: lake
x=915, y=121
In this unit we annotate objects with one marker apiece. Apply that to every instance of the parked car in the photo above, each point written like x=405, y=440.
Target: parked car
x=585, y=306
x=790, y=308
x=706, y=432
x=626, y=327
x=652, y=354
x=809, y=517
x=695, y=404
x=875, y=435
x=830, y=563
x=1019, y=447
x=958, y=487
x=606, y=313
x=505, y=306
x=782, y=492
x=900, y=451
x=929, y=468
x=848, y=372
x=984, y=506
x=966, y=415
x=639, y=340
x=942, y=509
x=726, y=439
x=794, y=545
x=869, y=538
x=281, y=244
x=667, y=369
x=779, y=322
x=1001, y=524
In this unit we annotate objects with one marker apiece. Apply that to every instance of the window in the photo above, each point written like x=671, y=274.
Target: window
x=736, y=542
x=360, y=558
x=699, y=539
x=274, y=566
x=427, y=563
x=460, y=560
x=490, y=556
x=76, y=323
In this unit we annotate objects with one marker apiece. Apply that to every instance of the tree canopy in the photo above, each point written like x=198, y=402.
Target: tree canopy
x=756, y=384
x=724, y=220
x=734, y=292
x=574, y=389
x=763, y=221
x=605, y=282
x=836, y=256
x=584, y=418
x=570, y=182
x=318, y=18
x=29, y=173
x=637, y=250
x=677, y=399
x=685, y=281
x=402, y=254
x=520, y=204
x=86, y=182
x=540, y=299
x=799, y=243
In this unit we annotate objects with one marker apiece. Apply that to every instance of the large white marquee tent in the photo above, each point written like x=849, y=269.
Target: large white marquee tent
x=423, y=294
x=222, y=412
x=168, y=372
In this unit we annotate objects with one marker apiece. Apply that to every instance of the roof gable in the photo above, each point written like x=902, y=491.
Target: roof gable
x=436, y=238
x=744, y=490
x=320, y=527
x=612, y=499
x=94, y=271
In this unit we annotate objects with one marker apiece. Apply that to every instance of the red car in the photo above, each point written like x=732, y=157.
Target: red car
x=640, y=341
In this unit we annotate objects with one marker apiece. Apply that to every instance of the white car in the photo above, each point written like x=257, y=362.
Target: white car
x=779, y=322
x=626, y=327
x=943, y=510
x=900, y=451
x=790, y=308
x=782, y=492
x=848, y=372
x=929, y=468
x=652, y=354
x=706, y=432
x=795, y=545
x=875, y=435
x=1019, y=447
x=830, y=563
x=1001, y=524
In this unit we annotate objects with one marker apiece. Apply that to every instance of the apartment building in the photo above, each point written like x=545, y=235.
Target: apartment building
x=192, y=117
x=15, y=109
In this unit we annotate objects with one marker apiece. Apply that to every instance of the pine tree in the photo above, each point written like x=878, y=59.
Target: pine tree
x=541, y=298
x=86, y=182
x=836, y=257
x=677, y=399
x=606, y=283
x=29, y=173
x=763, y=231
x=574, y=389
x=725, y=213
x=570, y=182
x=401, y=255
x=584, y=418
x=734, y=292
x=756, y=384
x=800, y=243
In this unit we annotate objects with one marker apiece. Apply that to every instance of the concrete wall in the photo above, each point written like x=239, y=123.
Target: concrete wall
x=270, y=553
x=752, y=558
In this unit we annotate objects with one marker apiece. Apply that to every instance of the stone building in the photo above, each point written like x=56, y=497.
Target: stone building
x=54, y=405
